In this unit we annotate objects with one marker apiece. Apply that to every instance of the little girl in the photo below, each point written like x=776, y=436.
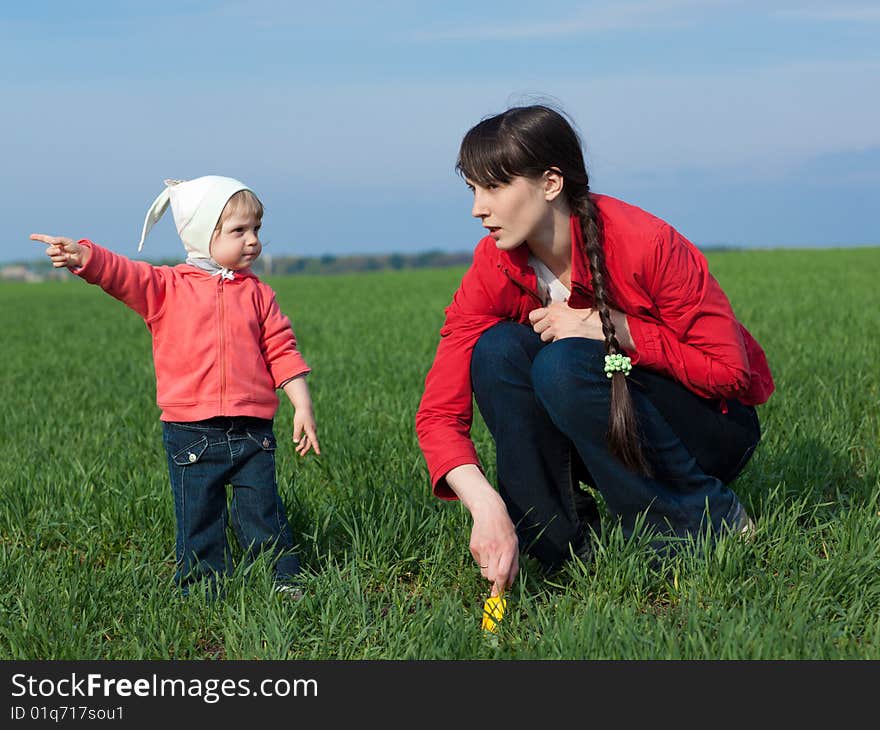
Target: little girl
x=221, y=347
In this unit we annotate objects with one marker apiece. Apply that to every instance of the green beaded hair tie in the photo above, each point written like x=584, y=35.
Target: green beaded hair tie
x=617, y=363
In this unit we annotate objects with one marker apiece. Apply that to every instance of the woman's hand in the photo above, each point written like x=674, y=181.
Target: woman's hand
x=494, y=544
x=558, y=321
x=63, y=251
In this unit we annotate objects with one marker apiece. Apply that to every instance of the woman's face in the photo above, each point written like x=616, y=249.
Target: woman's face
x=513, y=212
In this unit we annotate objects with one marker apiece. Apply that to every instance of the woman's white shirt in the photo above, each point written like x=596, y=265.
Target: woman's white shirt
x=549, y=287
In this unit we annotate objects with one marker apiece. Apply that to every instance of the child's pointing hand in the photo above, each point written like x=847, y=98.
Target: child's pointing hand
x=63, y=251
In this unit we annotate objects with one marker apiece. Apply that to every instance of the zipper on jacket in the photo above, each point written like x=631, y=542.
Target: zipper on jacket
x=521, y=285
x=221, y=310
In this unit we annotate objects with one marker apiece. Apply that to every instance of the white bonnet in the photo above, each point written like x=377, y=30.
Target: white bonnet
x=196, y=206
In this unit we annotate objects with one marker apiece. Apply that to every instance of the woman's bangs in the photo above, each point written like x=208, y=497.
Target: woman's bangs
x=486, y=158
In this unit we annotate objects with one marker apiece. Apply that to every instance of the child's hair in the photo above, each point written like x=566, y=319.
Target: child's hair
x=526, y=141
x=244, y=201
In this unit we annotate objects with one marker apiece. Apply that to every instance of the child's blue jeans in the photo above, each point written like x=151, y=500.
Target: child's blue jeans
x=205, y=456
x=547, y=407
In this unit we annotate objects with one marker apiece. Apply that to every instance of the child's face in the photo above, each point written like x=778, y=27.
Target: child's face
x=237, y=244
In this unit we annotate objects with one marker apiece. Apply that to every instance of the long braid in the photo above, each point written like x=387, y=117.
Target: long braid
x=623, y=431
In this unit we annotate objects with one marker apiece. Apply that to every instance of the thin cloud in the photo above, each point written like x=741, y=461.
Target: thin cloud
x=619, y=17
x=846, y=15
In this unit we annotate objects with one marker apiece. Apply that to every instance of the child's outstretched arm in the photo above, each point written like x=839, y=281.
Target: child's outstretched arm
x=63, y=251
x=137, y=284
x=305, y=434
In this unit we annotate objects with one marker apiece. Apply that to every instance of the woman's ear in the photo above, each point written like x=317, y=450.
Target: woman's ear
x=553, y=183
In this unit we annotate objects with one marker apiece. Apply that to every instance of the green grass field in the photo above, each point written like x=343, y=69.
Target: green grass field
x=87, y=523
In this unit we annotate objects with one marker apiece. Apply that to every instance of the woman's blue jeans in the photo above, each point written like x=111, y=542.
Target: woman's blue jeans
x=205, y=456
x=547, y=406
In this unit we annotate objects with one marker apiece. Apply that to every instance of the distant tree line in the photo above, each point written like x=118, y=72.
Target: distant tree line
x=269, y=265
x=331, y=264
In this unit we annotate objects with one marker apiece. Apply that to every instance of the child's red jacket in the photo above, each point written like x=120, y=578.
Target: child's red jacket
x=680, y=320
x=220, y=347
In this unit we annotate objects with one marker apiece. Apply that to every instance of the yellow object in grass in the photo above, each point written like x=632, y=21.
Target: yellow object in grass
x=493, y=611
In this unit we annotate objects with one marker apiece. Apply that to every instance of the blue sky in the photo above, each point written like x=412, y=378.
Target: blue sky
x=741, y=123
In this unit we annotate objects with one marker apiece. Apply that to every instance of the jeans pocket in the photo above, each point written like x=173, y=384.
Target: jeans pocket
x=191, y=453
x=266, y=441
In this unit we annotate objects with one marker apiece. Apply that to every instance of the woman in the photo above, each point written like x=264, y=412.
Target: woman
x=563, y=279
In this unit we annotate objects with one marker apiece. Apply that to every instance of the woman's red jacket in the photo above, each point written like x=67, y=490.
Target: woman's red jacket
x=680, y=320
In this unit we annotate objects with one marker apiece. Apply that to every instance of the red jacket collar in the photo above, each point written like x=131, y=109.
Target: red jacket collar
x=518, y=258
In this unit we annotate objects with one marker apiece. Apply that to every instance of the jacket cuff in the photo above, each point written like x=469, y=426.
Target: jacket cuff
x=438, y=476
x=292, y=365
x=284, y=382
x=90, y=265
